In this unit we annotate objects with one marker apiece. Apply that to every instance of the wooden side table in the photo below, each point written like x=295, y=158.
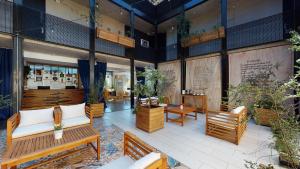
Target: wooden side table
x=182, y=112
x=197, y=99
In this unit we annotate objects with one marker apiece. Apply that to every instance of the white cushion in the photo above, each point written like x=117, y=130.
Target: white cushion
x=22, y=131
x=70, y=122
x=238, y=110
x=145, y=161
x=73, y=111
x=122, y=162
x=163, y=105
x=31, y=117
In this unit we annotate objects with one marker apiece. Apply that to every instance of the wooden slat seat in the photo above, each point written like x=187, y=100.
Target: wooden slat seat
x=226, y=125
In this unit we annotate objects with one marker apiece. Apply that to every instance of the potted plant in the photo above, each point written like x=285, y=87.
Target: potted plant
x=58, y=131
x=149, y=117
x=95, y=99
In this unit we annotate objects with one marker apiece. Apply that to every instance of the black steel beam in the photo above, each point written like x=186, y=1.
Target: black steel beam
x=92, y=53
x=131, y=53
x=224, y=53
x=18, y=59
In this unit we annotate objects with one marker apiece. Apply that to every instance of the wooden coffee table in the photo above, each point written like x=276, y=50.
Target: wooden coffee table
x=41, y=145
x=182, y=112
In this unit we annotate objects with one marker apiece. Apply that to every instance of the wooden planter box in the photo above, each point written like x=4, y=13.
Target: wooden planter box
x=126, y=41
x=204, y=37
x=150, y=119
x=265, y=116
x=109, y=36
x=97, y=109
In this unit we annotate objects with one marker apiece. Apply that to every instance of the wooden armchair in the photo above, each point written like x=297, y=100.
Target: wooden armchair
x=58, y=115
x=136, y=149
x=226, y=125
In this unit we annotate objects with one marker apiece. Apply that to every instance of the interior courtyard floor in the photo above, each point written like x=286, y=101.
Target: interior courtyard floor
x=190, y=145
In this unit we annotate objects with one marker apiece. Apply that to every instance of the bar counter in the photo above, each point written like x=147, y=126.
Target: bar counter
x=37, y=98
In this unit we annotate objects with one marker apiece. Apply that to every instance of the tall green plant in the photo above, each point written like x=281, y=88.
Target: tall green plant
x=153, y=84
x=4, y=100
x=183, y=26
x=95, y=95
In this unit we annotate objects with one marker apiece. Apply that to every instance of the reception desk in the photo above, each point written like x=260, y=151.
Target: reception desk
x=36, y=98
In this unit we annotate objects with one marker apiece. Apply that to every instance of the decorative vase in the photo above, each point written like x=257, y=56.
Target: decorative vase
x=58, y=134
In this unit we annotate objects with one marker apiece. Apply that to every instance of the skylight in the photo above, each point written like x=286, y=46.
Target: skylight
x=155, y=2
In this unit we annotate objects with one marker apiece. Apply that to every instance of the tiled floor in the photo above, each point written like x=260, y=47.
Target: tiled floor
x=117, y=105
x=190, y=145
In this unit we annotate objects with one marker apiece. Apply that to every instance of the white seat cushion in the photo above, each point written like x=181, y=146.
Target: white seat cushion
x=238, y=110
x=73, y=111
x=31, y=117
x=145, y=161
x=122, y=162
x=75, y=121
x=28, y=130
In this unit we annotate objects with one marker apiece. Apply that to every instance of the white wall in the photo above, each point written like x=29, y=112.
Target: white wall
x=239, y=12
x=69, y=10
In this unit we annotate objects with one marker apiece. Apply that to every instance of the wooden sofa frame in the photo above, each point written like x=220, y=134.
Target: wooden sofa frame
x=14, y=121
x=226, y=125
x=136, y=149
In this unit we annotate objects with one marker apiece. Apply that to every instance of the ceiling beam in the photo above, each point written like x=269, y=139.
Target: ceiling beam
x=189, y=5
x=137, y=12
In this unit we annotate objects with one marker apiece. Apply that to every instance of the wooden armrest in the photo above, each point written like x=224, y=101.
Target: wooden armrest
x=12, y=124
x=57, y=115
x=226, y=107
x=89, y=114
x=135, y=147
x=219, y=112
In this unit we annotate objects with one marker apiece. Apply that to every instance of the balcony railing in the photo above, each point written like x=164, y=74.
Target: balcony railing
x=269, y=29
x=265, y=30
x=6, y=16
x=39, y=25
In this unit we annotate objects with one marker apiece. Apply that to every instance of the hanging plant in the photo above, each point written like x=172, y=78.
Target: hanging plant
x=183, y=26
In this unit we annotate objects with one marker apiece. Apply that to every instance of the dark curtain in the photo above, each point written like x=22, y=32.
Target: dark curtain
x=140, y=79
x=84, y=72
x=6, y=78
x=100, y=73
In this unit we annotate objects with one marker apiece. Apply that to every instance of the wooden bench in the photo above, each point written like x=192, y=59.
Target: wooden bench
x=226, y=125
x=14, y=121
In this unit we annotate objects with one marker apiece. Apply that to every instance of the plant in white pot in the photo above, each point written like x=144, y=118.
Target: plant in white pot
x=58, y=131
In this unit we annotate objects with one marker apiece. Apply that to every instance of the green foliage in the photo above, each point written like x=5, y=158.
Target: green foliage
x=183, y=26
x=95, y=95
x=295, y=40
x=4, y=100
x=254, y=165
x=58, y=127
x=152, y=78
